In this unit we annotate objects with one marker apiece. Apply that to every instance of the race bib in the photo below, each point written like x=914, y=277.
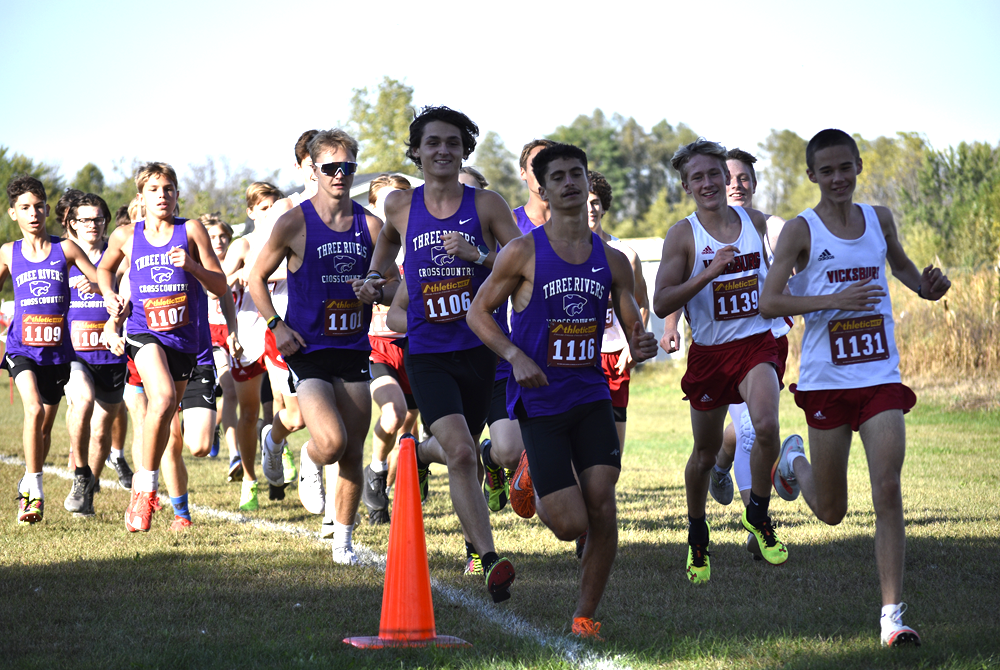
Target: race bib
x=735, y=298
x=166, y=312
x=609, y=320
x=42, y=330
x=447, y=300
x=343, y=317
x=573, y=345
x=858, y=340
x=88, y=335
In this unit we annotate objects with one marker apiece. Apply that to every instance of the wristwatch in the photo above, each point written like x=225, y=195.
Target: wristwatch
x=272, y=323
x=484, y=251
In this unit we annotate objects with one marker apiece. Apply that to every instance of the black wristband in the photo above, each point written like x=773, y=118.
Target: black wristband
x=381, y=295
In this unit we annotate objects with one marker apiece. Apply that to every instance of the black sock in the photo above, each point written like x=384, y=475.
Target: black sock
x=85, y=471
x=697, y=531
x=487, y=461
x=469, y=550
x=488, y=560
x=757, y=509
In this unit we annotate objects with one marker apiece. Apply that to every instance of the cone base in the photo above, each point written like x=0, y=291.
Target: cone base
x=381, y=643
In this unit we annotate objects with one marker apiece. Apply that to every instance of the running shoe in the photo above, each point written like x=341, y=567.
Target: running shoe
x=180, y=523
x=288, y=463
x=782, y=475
x=699, y=567
x=720, y=485
x=214, y=451
x=495, y=488
x=235, y=469
x=270, y=459
x=423, y=477
x=474, y=566
x=753, y=547
x=522, y=493
x=767, y=546
x=581, y=544
x=499, y=578
x=139, y=514
x=586, y=628
x=374, y=496
x=248, y=496
x=80, y=500
x=344, y=556
x=29, y=510
x=312, y=493
x=124, y=472
x=895, y=633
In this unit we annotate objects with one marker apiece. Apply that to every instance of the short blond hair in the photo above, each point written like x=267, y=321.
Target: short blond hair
x=261, y=190
x=150, y=170
x=700, y=147
x=335, y=138
x=384, y=180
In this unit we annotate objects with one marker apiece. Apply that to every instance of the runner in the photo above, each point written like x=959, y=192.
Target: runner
x=713, y=265
x=450, y=232
x=39, y=351
x=221, y=235
x=849, y=377
x=327, y=243
x=561, y=278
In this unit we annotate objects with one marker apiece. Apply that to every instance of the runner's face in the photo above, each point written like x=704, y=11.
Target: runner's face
x=595, y=212
x=307, y=174
x=528, y=175
x=836, y=171
x=566, y=183
x=441, y=151
x=159, y=195
x=257, y=211
x=29, y=211
x=340, y=184
x=220, y=241
x=88, y=232
x=741, y=188
x=706, y=182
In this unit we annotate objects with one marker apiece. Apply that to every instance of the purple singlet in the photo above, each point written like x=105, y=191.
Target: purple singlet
x=164, y=298
x=561, y=330
x=41, y=298
x=87, y=316
x=523, y=222
x=205, y=356
x=441, y=287
x=322, y=306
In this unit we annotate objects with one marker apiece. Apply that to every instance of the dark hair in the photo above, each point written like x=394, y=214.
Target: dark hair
x=465, y=125
x=746, y=158
x=529, y=147
x=831, y=137
x=540, y=164
x=600, y=187
x=24, y=184
x=66, y=203
x=90, y=200
x=302, y=145
x=121, y=216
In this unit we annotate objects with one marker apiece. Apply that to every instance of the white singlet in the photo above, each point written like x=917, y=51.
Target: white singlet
x=841, y=349
x=614, y=337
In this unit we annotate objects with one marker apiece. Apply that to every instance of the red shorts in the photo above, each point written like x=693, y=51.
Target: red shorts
x=384, y=352
x=219, y=334
x=831, y=409
x=714, y=373
x=618, y=383
x=271, y=350
x=243, y=373
x=133, y=375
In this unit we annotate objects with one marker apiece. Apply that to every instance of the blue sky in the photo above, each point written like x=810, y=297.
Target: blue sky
x=181, y=81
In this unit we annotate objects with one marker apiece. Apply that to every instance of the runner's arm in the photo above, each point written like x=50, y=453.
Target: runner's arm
x=931, y=284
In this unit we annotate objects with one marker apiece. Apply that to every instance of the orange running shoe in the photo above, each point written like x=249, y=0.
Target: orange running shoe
x=139, y=515
x=522, y=493
x=180, y=523
x=586, y=628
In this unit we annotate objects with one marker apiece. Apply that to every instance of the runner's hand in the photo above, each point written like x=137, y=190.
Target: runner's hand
x=643, y=343
x=527, y=373
x=288, y=340
x=671, y=341
x=860, y=296
x=933, y=283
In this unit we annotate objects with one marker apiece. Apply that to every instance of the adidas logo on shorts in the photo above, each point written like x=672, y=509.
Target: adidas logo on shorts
x=825, y=256
x=706, y=398
x=819, y=416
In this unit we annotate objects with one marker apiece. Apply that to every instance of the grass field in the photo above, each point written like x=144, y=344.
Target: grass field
x=260, y=590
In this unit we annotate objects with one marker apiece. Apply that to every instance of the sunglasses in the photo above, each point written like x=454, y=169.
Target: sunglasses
x=346, y=168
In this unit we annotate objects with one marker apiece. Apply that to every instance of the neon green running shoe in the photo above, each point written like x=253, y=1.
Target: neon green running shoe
x=767, y=546
x=699, y=569
x=291, y=473
x=423, y=474
x=248, y=497
x=29, y=510
x=496, y=489
x=474, y=566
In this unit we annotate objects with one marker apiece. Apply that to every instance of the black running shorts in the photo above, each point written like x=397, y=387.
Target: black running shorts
x=454, y=382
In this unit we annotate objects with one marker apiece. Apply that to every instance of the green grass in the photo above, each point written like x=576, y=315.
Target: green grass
x=84, y=593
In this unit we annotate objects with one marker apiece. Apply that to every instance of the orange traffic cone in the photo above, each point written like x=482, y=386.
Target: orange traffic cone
x=407, y=606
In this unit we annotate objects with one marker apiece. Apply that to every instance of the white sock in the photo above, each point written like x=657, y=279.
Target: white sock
x=379, y=466
x=145, y=480
x=887, y=612
x=720, y=470
x=32, y=485
x=342, y=535
x=790, y=459
x=115, y=454
x=271, y=444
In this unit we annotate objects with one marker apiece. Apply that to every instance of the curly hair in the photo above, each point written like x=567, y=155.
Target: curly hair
x=465, y=125
x=24, y=184
x=600, y=187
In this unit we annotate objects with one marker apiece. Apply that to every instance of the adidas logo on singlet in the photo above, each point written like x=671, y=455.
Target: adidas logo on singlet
x=707, y=250
x=825, y=256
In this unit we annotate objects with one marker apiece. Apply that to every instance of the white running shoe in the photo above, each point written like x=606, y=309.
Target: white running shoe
x=344, y=556
x=311, y=490
x=894, y=632
x=782, y=475
x=270, y=459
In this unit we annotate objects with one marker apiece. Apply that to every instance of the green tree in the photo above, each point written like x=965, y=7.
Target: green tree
x=89, y=179
x=500, y=168
x=783, y=181
x=382, y=125
x=597, y=136
x=217, y=187
x=14, y=165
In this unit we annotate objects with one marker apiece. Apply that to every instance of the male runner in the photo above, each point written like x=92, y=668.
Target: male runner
x=327, y=241
x=39, y=350
x=849, y=377
x=561, y=277
x=451, y=232
x=713, y=265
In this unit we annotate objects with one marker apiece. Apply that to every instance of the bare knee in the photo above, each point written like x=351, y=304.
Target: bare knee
x=832, y=514
x=887, y=493
x=464, y=458
x=767, y=430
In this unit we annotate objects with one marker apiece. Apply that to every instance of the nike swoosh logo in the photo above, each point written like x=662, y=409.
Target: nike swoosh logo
x=462, y=223
x=208, y=398
x=595, y=269
x=54, y=262
x=517, y=482
x=357, y=234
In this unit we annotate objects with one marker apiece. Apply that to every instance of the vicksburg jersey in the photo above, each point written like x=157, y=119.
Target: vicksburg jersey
x=841, y=349
x=561, y=330
x=87, y=316
x=614, y=337
x=163, y=297
x=441, y=287
x=727, y=308
x=322, y=306
x=41, y=298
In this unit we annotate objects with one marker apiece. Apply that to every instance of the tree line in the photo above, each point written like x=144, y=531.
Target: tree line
x=947, y=201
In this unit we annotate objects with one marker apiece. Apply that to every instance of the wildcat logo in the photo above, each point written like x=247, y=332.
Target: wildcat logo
x=162, y=275
x=87, y=296
x=343, y=264
x=440, y=256
x=573, y=303
x=38, y=288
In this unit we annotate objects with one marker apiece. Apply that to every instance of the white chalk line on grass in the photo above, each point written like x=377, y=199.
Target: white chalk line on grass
x=571, y=650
